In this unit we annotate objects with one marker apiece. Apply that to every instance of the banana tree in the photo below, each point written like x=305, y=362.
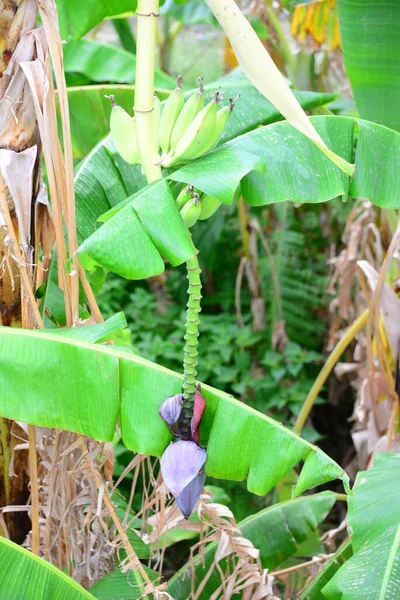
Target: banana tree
x=70, y=378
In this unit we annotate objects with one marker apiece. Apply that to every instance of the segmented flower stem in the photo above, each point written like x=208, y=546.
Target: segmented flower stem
x=191, y=343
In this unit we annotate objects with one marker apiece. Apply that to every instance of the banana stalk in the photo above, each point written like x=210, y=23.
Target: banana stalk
x=191, y=346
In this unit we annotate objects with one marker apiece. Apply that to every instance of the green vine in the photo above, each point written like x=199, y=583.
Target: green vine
x=190, y=361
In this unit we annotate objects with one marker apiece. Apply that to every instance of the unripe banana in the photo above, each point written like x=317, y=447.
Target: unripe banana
x=209, y=205
x=191, y=211
x=187, y=114
x=171, y=109
x=184, y=196
x=196, y=135
x=156, y=118
x=222, y=116
x=123, y=131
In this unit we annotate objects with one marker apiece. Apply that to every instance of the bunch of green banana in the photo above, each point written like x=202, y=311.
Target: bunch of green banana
x=123, y=131
x=194, y=206
x=183, y=131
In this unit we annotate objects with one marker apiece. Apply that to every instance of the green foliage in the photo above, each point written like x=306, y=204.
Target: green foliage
x=276, y=531
x=373, y=524
x=77, y=18
x=370, y=34
x=227, y=351
x=258, y=161
x=133, y=389
x=24, y=575
x=86, y=61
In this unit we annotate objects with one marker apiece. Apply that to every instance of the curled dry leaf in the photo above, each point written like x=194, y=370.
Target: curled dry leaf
x=180, y=463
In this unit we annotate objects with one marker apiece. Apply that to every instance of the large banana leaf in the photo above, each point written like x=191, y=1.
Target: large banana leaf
x=370, y=33
x=74, y=385
x=77, y=18
x=24, y=576
x=374, y=527
x=276, y=531
x=88, y=104
x=104, y=63
x=289, y=167
x=272, y=164
x=313, y=591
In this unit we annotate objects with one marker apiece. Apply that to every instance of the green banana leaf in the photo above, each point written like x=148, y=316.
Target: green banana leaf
x=290, y=167
x=370, y=33
x=77, y=18
x=104, y=63
x=147, y=228
x=272, y=164
x=276, y=531
x=120, y=586
x=75, y=385
x=24, y=575
x=88, y=104
x=313, y=591
x=374, y=528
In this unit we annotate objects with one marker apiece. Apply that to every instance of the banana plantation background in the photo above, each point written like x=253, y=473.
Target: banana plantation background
x=199, y=310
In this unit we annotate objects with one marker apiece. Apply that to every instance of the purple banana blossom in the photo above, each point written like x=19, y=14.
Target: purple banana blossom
x=189, y=496
x=170, y=410
x=180, y=464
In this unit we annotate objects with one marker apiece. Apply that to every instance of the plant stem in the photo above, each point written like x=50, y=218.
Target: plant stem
x=190, y=350
x=327, y=368
x=34, y=488
x=147, y=12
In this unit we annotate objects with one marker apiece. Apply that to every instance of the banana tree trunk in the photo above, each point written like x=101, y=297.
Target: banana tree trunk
x=18, y=186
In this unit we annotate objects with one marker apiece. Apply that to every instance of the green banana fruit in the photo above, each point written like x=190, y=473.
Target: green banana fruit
x=209, y=205
x=184, y=196
x=191, y=211
x=187, y=114
x=156, y=118
x=196, y=135
x=171, y=109
x=123, y=131
x=222, y=116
